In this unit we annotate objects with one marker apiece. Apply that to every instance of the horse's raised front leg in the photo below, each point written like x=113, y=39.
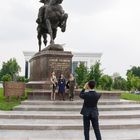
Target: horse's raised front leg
x=63, y=22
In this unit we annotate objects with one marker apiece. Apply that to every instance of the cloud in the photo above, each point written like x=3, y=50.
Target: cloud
x=82, y=7
x=17, y=21
x=107, y=26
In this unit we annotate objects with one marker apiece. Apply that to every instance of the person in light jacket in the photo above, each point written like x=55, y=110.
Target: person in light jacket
x=54, y=85
x=71, y=85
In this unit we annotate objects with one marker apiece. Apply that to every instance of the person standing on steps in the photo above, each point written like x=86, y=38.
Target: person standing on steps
x=54, y=85
x=61, y=87
x=90, y=109
x=71, y=84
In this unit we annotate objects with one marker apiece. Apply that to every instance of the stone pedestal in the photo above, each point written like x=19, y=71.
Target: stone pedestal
x=46, y=61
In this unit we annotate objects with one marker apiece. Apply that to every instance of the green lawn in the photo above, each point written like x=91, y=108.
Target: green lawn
x=6, y=104
x=9, y=105
x=128, y=96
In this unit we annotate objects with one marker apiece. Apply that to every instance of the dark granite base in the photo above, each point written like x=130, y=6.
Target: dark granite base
x=45, y=62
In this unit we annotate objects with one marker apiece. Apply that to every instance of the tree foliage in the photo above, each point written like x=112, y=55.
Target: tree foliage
x=119, y=83
x=81, y=74
x=106, y=82
x=133, y=82
x=10, y=67
x=95, y=73
x=6, y=77
x=129, y=83
x=135, y=71
x=84, y=75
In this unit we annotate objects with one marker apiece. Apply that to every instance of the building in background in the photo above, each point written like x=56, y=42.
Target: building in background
x=28, y=56
x=88, y=59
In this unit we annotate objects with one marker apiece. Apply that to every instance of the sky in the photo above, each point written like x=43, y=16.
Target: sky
x=110, y=27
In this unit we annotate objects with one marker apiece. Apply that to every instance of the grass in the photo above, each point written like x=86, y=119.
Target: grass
x=128, y=96
x=6, y=104
x=9, y=105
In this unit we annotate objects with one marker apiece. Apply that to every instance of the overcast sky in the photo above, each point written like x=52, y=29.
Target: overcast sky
x=110, y=27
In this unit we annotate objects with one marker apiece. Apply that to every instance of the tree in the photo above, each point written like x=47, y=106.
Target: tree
x=81, y=74
x=95, y=73
x=119, y=83
x=10, y=67
x=135, y=71
x=129, y=83
x=106, y=82
x=133, y=82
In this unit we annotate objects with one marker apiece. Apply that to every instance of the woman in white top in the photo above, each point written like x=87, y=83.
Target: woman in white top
x=54, y=85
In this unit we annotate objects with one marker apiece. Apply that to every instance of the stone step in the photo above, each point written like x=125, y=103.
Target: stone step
x=49, y=124
x=76, y=102
x=61, y=120
x=128, y=134
x=76, y=107
x=15, y=138
x=42, y=94
x=66, y=115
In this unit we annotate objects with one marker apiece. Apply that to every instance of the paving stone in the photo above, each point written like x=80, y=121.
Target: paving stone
x=125, y=134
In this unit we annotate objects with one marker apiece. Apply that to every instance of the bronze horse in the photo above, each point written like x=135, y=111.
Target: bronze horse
x=50, y=17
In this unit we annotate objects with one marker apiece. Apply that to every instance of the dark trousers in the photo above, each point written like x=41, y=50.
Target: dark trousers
x=71, y=93
x=95, y=125
x=61, y=95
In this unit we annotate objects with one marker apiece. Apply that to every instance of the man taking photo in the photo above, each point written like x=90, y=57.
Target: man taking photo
x=90, y=110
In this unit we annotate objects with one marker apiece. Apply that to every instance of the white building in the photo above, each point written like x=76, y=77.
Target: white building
x=28, y=56
x=88, y=59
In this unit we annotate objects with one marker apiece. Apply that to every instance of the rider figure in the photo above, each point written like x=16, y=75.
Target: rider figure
x=41, y=12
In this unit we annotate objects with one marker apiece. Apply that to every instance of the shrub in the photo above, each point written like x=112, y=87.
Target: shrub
x=106, y=82
x=22, y=79
x=7, y=77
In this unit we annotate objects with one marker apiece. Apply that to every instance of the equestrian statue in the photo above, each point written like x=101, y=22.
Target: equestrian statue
x=50, y=16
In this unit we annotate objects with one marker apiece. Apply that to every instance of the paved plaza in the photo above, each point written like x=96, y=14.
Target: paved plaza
x=61, y=120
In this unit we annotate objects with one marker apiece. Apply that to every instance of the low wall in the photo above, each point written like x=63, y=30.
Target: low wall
x=14, y=89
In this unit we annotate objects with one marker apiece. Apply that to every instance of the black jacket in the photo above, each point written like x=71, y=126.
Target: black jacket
x=90, y=102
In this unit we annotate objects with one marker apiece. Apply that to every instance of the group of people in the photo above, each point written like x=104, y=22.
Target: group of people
x=90, y=97
x=61, y=83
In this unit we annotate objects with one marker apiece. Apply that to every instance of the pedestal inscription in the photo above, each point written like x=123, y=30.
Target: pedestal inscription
x=59, y=64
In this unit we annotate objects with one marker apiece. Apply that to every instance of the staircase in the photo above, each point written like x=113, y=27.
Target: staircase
x=61, y=120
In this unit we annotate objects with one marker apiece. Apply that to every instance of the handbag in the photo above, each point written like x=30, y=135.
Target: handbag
x=67, y=84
